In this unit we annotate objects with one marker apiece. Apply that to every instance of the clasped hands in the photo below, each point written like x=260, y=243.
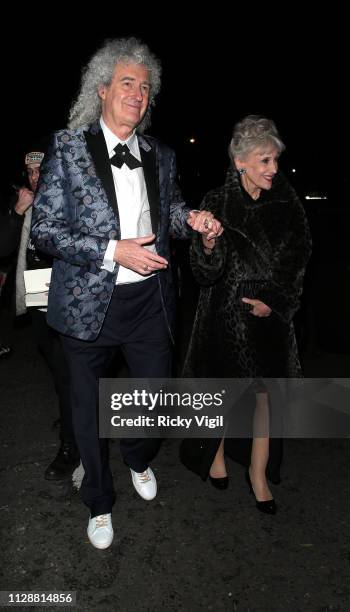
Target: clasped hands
x=132, y=254
x=205, y=223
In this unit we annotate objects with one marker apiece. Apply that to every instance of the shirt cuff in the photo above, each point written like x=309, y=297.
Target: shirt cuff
x=108, y=263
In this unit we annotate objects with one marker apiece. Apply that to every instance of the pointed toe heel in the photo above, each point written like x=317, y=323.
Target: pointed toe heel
x=268, y=506
x=219, y=483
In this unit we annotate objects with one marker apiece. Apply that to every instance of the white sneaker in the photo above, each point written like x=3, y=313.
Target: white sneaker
x=145, y=483
x=100, y=531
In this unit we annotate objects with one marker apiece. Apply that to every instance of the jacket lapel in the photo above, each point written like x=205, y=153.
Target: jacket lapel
x=149, y=164
x=97, y=146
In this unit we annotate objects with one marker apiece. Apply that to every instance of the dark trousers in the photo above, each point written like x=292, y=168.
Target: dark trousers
x=49, y=344
x=135, y=324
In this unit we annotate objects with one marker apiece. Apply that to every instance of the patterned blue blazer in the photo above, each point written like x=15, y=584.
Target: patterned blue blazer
x=75, y=214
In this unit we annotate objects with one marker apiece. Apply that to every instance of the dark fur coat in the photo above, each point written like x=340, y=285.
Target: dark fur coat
x=264, y=240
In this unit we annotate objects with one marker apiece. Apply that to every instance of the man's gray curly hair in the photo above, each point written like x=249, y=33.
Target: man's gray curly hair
x=99, y=71
x=254, y=132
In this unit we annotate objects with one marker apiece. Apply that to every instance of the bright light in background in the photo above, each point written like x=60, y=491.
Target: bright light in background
x=192, y=140
x=316, y=197
x=293, y=170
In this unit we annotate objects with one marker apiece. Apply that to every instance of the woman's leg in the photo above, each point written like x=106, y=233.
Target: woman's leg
x=218, y=467
x=260, y=449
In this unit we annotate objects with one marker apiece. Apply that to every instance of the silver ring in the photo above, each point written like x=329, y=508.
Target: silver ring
x=206, y=224
x=145, y=268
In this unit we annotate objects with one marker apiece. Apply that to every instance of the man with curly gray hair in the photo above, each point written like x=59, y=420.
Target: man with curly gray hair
x=107, y=202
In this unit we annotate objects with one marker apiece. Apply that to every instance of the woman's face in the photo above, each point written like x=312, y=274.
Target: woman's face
x=260, y=167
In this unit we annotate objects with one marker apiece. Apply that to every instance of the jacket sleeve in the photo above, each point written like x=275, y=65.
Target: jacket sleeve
x=288, y=268
x=179, y=212
x=207, y=269
x=56, y=229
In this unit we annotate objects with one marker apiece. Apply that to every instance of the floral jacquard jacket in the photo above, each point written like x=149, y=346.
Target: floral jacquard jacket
x=75, y=214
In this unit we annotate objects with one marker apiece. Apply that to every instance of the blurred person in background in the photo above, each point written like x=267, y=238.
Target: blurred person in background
x=16, y=229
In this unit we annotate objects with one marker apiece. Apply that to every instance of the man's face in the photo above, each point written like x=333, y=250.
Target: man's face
x=33, y=173
x=125, y=101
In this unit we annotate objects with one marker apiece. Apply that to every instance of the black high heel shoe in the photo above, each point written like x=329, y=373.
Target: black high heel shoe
x=267, y=507
x=219, y=483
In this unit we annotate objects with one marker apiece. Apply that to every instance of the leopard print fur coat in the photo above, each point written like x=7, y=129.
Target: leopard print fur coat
x=266, y=244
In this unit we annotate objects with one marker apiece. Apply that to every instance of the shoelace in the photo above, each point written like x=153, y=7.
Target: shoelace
x=101, y=521
x=144, y=477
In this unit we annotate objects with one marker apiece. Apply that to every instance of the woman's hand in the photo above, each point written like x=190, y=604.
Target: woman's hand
x=259, y=308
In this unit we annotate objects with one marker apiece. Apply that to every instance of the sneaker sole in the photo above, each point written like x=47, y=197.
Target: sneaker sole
x=99, y=545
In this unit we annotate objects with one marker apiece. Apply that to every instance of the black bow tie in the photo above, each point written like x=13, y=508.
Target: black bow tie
x=123, y=156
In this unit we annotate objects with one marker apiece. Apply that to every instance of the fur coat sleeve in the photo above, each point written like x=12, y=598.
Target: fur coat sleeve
x=207, y=269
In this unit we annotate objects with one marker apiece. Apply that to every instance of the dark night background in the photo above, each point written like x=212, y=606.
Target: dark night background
x=212, y=76
x=217, y=68
x=190, y=550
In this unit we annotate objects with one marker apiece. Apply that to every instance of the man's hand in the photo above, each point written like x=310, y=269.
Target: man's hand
x=259, y=308
x=25, y=200
x=131, y=254
x=205, y=223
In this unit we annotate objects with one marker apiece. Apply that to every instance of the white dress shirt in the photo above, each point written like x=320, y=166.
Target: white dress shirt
x=133, y=205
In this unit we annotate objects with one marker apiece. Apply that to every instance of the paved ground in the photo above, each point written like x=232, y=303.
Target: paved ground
x=193, y=547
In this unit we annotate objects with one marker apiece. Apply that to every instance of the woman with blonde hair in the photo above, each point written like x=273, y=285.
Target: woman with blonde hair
x=251, y=281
